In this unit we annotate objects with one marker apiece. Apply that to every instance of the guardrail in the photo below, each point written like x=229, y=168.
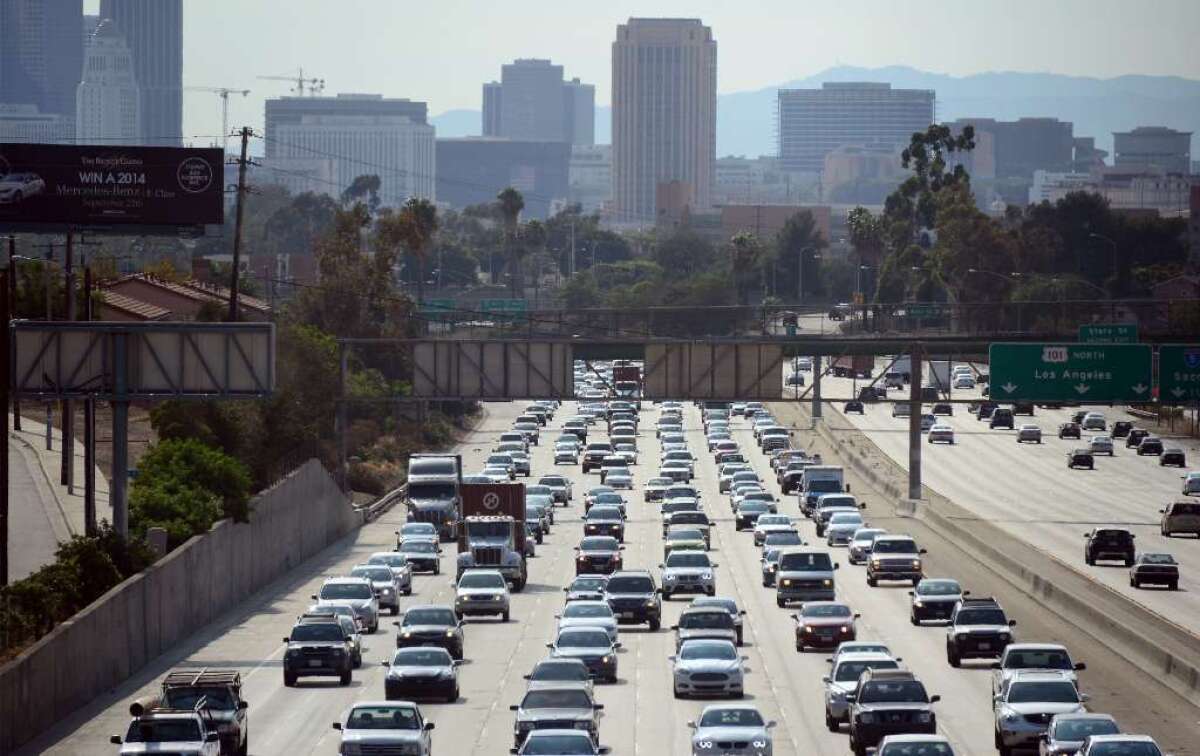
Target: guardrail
x=371, y=512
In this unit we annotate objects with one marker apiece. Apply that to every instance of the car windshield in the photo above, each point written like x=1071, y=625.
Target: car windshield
x=981, y=617
x=581, y=609
x=718, y=620
x=1158, y=559
x=418, y=528
x=420, y=547
x=163, y=731
x=1038, y=659
x=603, y=513
x=556, y=699
x=443, y=617
x=1043, y=692
x=421, y=657
x=1135, y=748
x=588, y=584
x=867, y=536
x=659, y=482
x=575, y=744
x=917, y=749
x=728, y=605
x=703, y=650
x=846, y=518
x=805, y=562
x=631, y=584
x=898, y=691
x=786, y=538
x=851, y=670
x=825, y=610
x=754, y=506
x=685, y=534
x=346, y=591
x=731, y=718
x=383, y=718
x=688, y=559
x=1081, y=729
x=372, y=573
x=215, y=697
x=318, y=631
x=689, y=517
x=569, y=671
x=481, y=580
x=391, y=560
x=538, y=490
x=889, y=546
x=608, y=498
x=603, y=543
x=583, y=639
x=938, y=588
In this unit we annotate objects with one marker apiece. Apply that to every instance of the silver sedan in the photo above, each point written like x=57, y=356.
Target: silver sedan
x=708, y=667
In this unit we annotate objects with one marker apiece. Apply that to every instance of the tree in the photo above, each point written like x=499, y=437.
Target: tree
x=799, y=238
x=509, y=204
x=413, y=228
x=746, y=261
x=363, y=187
x=684, y=251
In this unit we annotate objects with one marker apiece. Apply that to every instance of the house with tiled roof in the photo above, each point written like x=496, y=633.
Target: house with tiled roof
x=182, y=300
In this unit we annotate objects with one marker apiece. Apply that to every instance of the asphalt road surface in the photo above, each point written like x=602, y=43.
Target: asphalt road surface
x=641, y=716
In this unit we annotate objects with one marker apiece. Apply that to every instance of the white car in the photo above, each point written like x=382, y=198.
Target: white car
x=400, y=567
x=589, y=614
x=1101, y=445
x=1094, y=421
x=1191, y=483
x=385, y=726
x=1029, y=433
x=941, y=433
x=15, y=187
x=737, y=724
x=619, y=479
x=481, y=592
x=964, y=381
x=628, y=452
x=907, y=745
x=708, y=667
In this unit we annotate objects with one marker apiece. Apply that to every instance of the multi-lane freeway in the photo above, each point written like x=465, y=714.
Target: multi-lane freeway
x=641, y=716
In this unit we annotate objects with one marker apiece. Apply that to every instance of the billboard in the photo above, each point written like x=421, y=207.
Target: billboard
x=52, y=187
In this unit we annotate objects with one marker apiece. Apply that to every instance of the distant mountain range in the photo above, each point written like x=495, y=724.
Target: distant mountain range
x=1097, y=107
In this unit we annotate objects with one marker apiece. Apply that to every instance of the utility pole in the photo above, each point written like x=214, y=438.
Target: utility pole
x=89, y=428
x=6, y=314
x=12, y=302
x=246, y=133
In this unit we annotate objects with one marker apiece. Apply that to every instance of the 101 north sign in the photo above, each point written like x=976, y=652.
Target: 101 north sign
x=1071, y=372
x=50, y=187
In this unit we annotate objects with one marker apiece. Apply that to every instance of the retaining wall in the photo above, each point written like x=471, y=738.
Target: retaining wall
x=149, y=613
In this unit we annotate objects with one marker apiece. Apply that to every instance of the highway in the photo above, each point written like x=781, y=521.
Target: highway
x=641, y=716
x=1028, y=490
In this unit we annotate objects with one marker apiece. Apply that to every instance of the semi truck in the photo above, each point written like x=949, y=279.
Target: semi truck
x=491, y=534
x=435, y=491
x=937, y=374
x=853, y=366
x=627, y=383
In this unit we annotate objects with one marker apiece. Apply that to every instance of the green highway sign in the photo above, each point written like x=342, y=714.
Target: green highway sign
x=1092, y=373
x=438, y=309
x=1108, y=333
x=1179, y=373
x=504, y=309
x=924, y=310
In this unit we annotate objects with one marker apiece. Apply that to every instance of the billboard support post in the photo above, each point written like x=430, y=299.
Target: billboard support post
x=12, y=302
x=66, y=408
x=6, y=314
x=89, y=429
x=237, y=227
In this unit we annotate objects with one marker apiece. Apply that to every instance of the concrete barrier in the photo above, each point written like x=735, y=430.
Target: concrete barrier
x=147, y=614
x=1134, y=632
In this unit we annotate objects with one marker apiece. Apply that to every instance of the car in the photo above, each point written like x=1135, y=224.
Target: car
x=594, y=455
x=928, y=421
x=692, y=518
x=964, y=382
x=895, y=557
x=1172, y=457
x=344, y=616
x=708, y=667
x=683, y=538
x=17, y=187
x=401, y=569
x=417, y=530
x=559, y=742
x=422, y=554
x=431, y=625
x=934, y=599
x=588, y=614
x=824, y=624
x=586, y=588
x=634, y=598
x=1121, y=428
x=383, y=582
x=708, y=623
x=889, y=702
x=978, y=629
x=566, y=454
x=748, y=513
x=621, y=479
x=842, y=681
x=943, y=408
x=1070, y=430
x=804, y=576
x=480, y=591
x=940, y=433
x=859, y=548
x=610, y=498
x=1066, y=733
x=1154, y=569
x=770, y=565
x=770, y=523
x=841, y=527
x=858, y=647
x=795, y=379
x=504, y=461
x=605, y=520
x=985, y=410
x=522, y=464
x=1120, y=745
x=590, y=644
x=1134, y=437
x=1001, y=417
x=688, y=572
x=598, y=554
x=566, y=706
x=1150, y=445
x=1094, y=421
x=853, y=406
x=1109, y=544
x=358, y=593
x=1037, y=657
x=418, y=672
x=385, y=727
x=1180, y=517
x=1191, y=483
x=914, y=745
x=318, y=649
x=1023, y=408
x=727, y=604
x=1029, y=433
x=721, y=724
x=1024, y=706
x=1101, y=445
x=553, y=672
x=560, y=487
x=1080, y=458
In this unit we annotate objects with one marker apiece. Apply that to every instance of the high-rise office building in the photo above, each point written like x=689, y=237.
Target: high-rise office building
x=815, y=122
x=664, y=117
x=532, y=102
x=108, y=101
x=1154, y=146
x=154, y=31
x=473, y=170
x=41, y=54
x=286, y=111
x=1020, y=147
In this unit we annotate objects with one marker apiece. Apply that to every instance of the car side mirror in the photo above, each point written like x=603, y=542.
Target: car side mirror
x=857, y=616
x=851, y=698
x=428, y=726
x=513, y=707
x=1012, y=623
x=115, y=740
x=243, y=705
x=384, y=664
x=313, y=596
x=715, y=565
x=565, y=590
x=286, y=639
x=837, y=566
x=598, y=707
x=912, y=593
x=397, y=623
x=966, y=593
x=674, y=627
x=825, y=679
x=995, y=665
x=618, y=644
x=1080, y=666
x=558, y=616
x=549, y=645
x=1085, y=697
x=604, y=749
x=848, y=490
x=513, y=750
x=934, y=699
x=924, y=551
x=671, y=658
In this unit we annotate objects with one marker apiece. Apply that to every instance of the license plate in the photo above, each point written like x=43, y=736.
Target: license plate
x=985, y=646
x=628, y=615
x=314, y=662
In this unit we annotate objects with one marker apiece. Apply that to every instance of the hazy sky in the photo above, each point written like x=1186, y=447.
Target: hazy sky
x=441, y=51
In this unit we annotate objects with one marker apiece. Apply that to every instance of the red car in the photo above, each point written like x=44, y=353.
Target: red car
x=824, y=624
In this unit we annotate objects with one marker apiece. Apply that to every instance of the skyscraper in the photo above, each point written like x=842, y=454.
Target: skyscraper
x=154, y=31
x=41, y=56
x=664, y=117
x=532, y=102
x=285, y=111
x=815, y=122
x=108, y=101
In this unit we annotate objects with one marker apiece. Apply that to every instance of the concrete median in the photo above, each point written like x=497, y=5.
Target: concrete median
x=146, y=615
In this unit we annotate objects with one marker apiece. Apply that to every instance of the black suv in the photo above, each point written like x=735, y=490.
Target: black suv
x=431, y=625
x=318, y=649
x=985, y=410
x=1121, y=428
x=1002, y=417
x=597, y=554
x=1081, y=458
x=1109, y=544
x=888, y=702
x=1134, y=437
x=634, y=598
x=1069, y=430
x=603, y=520
x=978, y=629
x=1023, y=408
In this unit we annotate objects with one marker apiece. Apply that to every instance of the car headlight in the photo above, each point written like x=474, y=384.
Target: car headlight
x=1005, y=636
x=866, y=717
x=582, y=558
x=704, y=744
x=916, y=564
x=875, y=563
x=808, y=628
x=606, y=660
x=387, y=591
x=787, y=582
x=773, y=567
x=706, y=576
x=759, y=744
x=827, y=583
x=1011, y=716
x=650, y=603
x=845, y=628
x=449, y=633
x=924, y=717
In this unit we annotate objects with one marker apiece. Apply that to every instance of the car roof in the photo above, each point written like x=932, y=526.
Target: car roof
x=1041, y=675
x=913, y=738
x=864, y=656
x=1121, y=738
x=347, y=580
x=1036, y=647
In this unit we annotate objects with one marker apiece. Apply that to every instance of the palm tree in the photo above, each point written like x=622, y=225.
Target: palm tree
x=417, y=224
x=510, y=203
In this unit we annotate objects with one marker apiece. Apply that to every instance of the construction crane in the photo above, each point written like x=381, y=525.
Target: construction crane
x=315, y=86
x=223, y=93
